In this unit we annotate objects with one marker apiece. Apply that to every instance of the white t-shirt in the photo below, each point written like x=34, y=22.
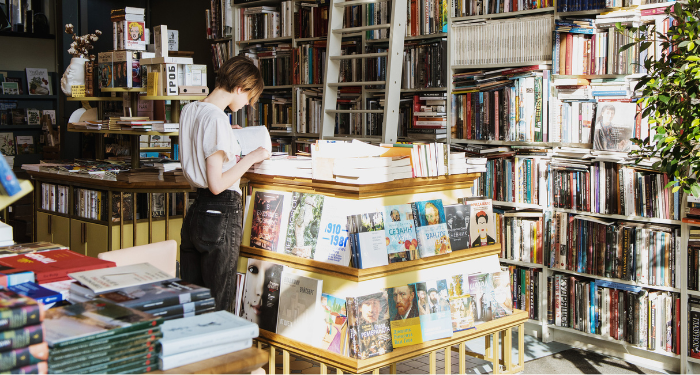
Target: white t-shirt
x=204, y=130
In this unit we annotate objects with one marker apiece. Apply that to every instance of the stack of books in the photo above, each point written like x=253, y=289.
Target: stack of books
x=174, y=176
x=52, y=265
x=169, y=127
x=47, y=297
x=142, y=287
x=198, y=338
x=285, y=165
x=101, y=337
x=143, y=125
x=141, y=175
x=22, y=346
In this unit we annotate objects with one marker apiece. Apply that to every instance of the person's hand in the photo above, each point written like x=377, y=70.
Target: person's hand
x=236, y=127
x=259, y=154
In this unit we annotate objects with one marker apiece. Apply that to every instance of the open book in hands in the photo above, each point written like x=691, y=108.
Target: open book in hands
x=252, y=137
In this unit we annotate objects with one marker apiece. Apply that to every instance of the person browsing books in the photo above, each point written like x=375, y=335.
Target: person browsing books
x=212, y=163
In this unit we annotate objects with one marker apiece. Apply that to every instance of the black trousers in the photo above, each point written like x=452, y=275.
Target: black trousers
x=210, y=243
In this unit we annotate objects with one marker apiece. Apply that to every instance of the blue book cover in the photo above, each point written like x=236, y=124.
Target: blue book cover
x=8, y=179
x=402, y=243
x=434, y=309
x=431, y=228
x=37, y=292
x=10, y=276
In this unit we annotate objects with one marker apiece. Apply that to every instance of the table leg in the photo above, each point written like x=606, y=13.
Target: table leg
x=271, y=362
x=462, y=359
x=339, y=371
x=392, y=368
x=488, y=356
x=448, y=360
x=495, y=359
x=285, y=361
x=521, y=345
x=433, y=362
x=375, y=371
x=508, y=350
x=324, y=369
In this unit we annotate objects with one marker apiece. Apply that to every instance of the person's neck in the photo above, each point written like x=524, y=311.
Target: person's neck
x=219, y=97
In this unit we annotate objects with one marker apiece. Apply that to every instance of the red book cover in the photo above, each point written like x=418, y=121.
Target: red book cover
x=495, y=115
x=54, y=265
x=592, y=44
x=468, y=105
x=465, y=116
x=416, y=108
x=414, y=18
x=569, y=43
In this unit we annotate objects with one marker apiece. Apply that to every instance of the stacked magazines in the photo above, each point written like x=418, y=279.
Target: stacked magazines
x=98, y=337
x=22, y=346
x=142, y=287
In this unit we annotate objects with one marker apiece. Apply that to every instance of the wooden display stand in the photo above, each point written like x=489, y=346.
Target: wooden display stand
x=347, y=281
x=240, y=362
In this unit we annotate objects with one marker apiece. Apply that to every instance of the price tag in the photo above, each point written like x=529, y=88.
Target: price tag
x=77, y=91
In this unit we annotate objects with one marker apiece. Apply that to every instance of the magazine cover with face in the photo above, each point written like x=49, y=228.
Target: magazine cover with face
x=304, y=224
x=431, y=228
x=262, y=291
x=371, y=319
x=404, y=316
x=402, y=242
x=434, y=309
x=267, y=218
x=462, y=306
x=482, y=228
x=457, y=216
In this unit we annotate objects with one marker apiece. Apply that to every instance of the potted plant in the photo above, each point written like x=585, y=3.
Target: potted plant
x=670, y=96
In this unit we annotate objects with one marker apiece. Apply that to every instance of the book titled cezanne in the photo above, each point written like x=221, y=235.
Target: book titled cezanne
x=401, y=232
x=54, y=265
x=431, y=228
x=267, y=217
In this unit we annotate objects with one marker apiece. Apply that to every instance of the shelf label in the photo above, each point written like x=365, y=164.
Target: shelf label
x=77, y=91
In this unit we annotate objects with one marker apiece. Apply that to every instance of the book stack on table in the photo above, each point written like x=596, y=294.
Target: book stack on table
x=193, y=339
x=143, y=287
x=101, y=337
x=22, y=346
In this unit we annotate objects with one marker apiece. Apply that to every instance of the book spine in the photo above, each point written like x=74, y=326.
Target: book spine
x=117, y=331
x=21, y=337
x=17, y=317
x=23, y=357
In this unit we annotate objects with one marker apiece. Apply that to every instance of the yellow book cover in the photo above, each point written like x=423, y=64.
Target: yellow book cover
x=404, y=316
x=152, y=87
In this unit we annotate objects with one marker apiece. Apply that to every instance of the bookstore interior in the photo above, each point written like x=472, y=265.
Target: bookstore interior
x=515, y=192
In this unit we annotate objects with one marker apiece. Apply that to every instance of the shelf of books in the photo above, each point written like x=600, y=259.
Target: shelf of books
x=400, y=249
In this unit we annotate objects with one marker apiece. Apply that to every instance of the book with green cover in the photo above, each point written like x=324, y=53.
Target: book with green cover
x=68, y=325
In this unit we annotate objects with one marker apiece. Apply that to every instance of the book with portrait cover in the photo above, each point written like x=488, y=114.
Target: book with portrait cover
x=262, y=293
x=431, y=228
x=462, y=306
x=502, y=301
x=457, y=217
x=401, y=232
x=434, y=309
x=368, y=324
x=481, y=288
x=299, y=314
x=304, y=224
x=404, y=316
x=482, y=228
x=614, y=126
x=267, y=218
x=335, y=320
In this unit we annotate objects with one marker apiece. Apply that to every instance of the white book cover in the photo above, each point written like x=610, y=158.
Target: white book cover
x=372, y=240
x=110, y=279
x=206, y=331
x=332, y=245
x=185, y=358
x=300, y=314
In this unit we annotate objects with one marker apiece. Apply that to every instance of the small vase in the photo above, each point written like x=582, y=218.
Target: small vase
x=74, y=75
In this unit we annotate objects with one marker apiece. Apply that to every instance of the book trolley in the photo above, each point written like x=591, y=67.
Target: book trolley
x=347, y=281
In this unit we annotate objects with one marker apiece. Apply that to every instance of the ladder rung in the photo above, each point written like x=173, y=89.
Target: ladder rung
x=368, y=83
x=359, y=56
x=355, y=111
x=342, y=4
x=362, y=28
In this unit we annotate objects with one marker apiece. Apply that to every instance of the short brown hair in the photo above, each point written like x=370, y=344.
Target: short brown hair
x=240, y=71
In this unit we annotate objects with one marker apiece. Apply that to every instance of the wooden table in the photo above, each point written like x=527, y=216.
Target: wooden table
x=240, y=362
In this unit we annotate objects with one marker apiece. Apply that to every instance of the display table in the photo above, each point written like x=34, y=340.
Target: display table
x=240, y=362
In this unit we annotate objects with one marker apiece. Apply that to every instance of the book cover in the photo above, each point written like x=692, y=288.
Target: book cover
x=462, y=305
x=431, y=228
x=37, y=292
x=267, y=218
x=333, y=245
x=262, y=293
x=299, y=314
x=21, y=337
x=482, y=228
x=502, y=303
x=33, y=116
x=114, y=278
x=134, y=36
x=371, y=240
x=368, y=317
x=304, y=222
x=157, y=295
x=434, y=309
x=104, y=69
x=67, y=325
x=404, y=316
x=38, y=81
x=614, y=126
x=202, y=331
x=10, y=88
x=457, y=217
x=25, y=145
x=335, y=323
x=7, y=144
x=54, y=265
x=400, y=230
x=479, y=286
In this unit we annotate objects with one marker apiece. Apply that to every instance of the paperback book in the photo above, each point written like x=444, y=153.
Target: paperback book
x=462, y=305
x=480, y=288
x=304, y=224
x=404, y=316
x=502, y=302
x=431, y=228
x=54, y=265
x=457, y=216
x=300, y=316
x=333, y=245
x=267, y=218
x=114, y=278
x=434, y=309
x=157, y=295
x=335, y=324
x=614, y=126
x=370, y=331
x=400, y=230
x=482, y=228
x=371, y=240
x=262, y=293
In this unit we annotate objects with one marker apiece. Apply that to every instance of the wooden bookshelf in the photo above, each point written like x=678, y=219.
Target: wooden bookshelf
x=94, y=99
x=123, y=89
x=520, y=13
x=620, y=281
x=125, y=132
x=173, y=97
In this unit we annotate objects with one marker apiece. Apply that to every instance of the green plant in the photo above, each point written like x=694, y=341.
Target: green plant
x=670, y=96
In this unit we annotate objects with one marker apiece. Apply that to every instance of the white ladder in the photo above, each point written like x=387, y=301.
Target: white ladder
x=394, y=64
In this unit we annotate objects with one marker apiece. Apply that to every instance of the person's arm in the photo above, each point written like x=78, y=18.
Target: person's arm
x=218, y=181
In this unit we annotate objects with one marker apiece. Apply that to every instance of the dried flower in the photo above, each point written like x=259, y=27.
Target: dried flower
x=82, y=44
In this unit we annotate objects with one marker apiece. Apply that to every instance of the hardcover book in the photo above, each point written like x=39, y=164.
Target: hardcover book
x=404, y=316
x=26, y=356
x=18, y=81
x=25, y=145
x=480, y=287
x=368, y=323
x=299, y=314
x=267, y=218
x=401, y=232
x=304, y=224
x=17, y=311
x=457, y=217
x=37, y=292
x=462, y=305
x=262, y=293
x=482, y=228
x=21, y=337
x=333, y=245
x=191, y=356
x=371, y=240
x=54, y=265
x=434, y=309
x=157, y=295
x=112, y=279
x=38, y=81
x=10, y=88
x=197, y=332
x=502, y=303
x=614, y=126
x=7, y=144
x=431, y=228
x=335, y=323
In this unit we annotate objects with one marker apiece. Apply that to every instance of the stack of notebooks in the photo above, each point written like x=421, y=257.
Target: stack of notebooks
x=141, y=175
x=101, y=337
x=198, y=338
x=145, y=288
x=22, y=346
